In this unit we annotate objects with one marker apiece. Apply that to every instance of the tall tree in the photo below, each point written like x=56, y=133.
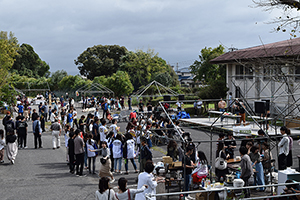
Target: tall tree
x=204, y=70
x=143, y=67
x=8, y=51
x=28, y=63
x=119, y=83
x=56, y=77
x=289, y=18
x=100, y=60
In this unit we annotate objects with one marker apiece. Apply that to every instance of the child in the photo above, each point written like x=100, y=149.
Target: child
x=71, y=152
x=2, y=144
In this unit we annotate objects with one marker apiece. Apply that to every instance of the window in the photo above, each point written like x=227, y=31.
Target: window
x=239, y=71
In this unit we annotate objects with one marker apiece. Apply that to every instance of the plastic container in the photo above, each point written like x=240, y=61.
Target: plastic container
x=238, y=183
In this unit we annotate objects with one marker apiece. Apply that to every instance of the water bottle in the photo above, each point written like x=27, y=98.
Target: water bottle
x=202, y=182
x=222, y=181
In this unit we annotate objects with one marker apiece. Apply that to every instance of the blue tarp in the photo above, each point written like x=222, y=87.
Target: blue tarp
x=183, y=115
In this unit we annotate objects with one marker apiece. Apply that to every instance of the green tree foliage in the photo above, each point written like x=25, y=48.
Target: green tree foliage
x=206, y=71
x=143, y=67
x=55, y=78
x=72, y=83
x=217, y=89
x=28, y=63
x=119, y=83
x=8, y=50
x=100, y=60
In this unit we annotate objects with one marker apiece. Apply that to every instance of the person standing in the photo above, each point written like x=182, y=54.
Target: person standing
x=141, y=106
x=21, y=107
x=222, y=106
x=283, y=149
x=246, y=169
x=91, y=155
x=179, y=105
x=230, y=145
x=42, y=119
x=37, y=132
x=9, y=124
x=71, y=152
x=22, y=132
x=129, y=103
x=79, y=152
x=70, y=118
x=103, y=131
x=188, y=167
x=75, y=118
x=256, y=160
x=146, y=154
x=221, y=153
x=147, y=178
x=117, y=152
x=105, y=192
x=199, y=107
x=289, y=159
x=56, y=132
x=126, y=194
x=46, y=111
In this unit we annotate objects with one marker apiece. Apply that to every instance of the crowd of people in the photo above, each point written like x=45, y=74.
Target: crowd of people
x=91, y=137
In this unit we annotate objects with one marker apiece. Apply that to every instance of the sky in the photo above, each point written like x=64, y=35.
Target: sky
x=177, y=30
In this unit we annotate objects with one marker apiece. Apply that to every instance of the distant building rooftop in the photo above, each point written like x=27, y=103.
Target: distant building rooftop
x=284, y=48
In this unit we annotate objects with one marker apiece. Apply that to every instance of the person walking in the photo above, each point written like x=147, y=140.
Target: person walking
x=256, y=160
x=11, y=148
x=2, y=145
x=56, y=132
x=128, y=153
x=283, y=149
x=37, y=132
x=79, y=152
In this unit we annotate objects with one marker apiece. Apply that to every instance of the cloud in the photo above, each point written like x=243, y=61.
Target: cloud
x=60, y=30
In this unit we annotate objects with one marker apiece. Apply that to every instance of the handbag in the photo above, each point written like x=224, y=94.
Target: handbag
x=103, y=161
x=220, y=163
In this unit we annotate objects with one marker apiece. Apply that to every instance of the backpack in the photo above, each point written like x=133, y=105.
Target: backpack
x=36, y=128
x=4, y=120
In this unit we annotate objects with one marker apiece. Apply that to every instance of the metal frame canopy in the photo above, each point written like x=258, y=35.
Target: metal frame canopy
x=94, y=88
x=33, y=90
x=161, y=89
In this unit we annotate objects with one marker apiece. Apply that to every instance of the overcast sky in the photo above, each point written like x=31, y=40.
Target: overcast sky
x=60, y=31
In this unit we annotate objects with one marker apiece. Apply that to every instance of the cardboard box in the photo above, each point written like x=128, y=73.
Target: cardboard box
x=167, y=160
x=177, y=164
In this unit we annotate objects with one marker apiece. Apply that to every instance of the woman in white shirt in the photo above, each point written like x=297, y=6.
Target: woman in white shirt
x=147, y=178
x=124, y=193
x=105, y=192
